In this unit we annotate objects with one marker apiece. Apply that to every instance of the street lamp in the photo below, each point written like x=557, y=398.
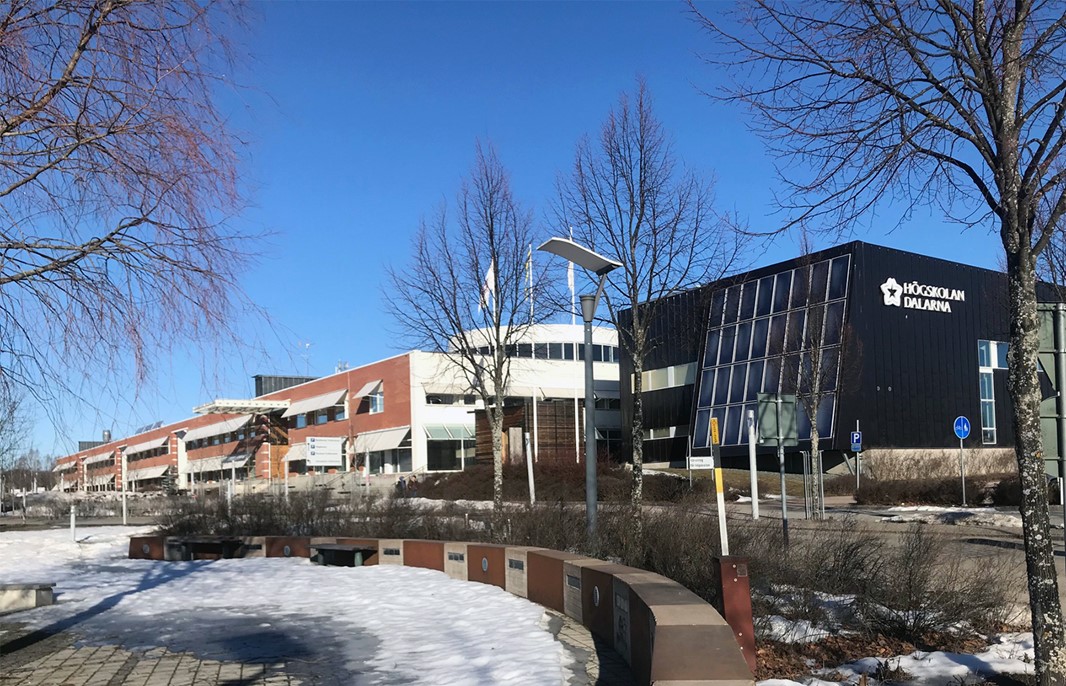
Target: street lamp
x=601, y=266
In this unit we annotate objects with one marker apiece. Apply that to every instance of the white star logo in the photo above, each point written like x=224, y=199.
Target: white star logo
x=893, y=292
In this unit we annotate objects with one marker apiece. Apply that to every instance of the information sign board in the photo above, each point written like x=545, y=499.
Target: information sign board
x=324, y=451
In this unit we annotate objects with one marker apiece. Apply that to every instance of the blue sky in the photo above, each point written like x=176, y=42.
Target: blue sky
x=361, y=118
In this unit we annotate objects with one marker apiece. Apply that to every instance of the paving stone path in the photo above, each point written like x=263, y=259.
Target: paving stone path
x=29, y=658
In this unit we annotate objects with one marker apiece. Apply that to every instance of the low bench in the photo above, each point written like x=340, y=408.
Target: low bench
x=665, y=633
x=205, y=548
x=16, y=597
x=340, y=554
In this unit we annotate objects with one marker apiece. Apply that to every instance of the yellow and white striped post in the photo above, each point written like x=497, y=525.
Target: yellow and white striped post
x=719, y=487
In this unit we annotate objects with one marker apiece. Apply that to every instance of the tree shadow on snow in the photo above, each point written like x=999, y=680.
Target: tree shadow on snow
x=154, y=577
x=987, y=672
x=305, y=646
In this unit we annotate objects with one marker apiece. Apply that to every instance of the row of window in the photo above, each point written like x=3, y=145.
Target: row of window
x=557, y=351
x=145, y=454
x=787, y=290
x=329, y=414
x=733, y=428
x=789, y=374
x=665, y=432
x=819, y=325
x=450, y=399
x=238, y=435
x=668, y=377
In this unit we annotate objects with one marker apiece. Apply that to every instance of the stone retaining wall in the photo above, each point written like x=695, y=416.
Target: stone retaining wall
x=667, y=634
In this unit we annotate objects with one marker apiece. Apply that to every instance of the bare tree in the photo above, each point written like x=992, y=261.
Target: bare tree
x=117, y=173
x=811, y=371
x=466, y=292
x=14, y=432
x=629, y=198
x=962, y=105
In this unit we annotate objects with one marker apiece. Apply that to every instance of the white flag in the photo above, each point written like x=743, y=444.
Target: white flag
x=570, y=283
x=488, y=289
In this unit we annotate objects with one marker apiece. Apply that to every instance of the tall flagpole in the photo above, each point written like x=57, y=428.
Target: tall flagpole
x=529, y=274
x=570, y=282
x=573, y=322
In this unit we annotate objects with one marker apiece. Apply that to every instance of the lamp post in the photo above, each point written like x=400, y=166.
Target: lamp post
x=601, y=266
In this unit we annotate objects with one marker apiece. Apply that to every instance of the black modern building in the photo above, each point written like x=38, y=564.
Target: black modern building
x=907, y=343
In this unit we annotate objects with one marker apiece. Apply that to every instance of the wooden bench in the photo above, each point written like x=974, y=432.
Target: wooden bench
x=16, y=597
x=340, y=554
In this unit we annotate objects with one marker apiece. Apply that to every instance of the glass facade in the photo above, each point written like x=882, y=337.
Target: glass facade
x=763, y=336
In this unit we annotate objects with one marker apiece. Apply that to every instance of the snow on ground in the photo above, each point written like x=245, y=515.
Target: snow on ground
x=381, y=624
x=972, y=516
x=778, y=628
x=1009, y=654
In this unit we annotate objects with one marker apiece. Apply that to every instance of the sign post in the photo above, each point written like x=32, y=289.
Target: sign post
x=856, y=447
x=777, y=422
x=752, y=466
x=962, y=430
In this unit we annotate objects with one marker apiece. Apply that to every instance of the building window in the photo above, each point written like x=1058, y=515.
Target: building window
x=376, y=400
x=339, y=413
x=988, y=408
x=301, y=421
x=991, y=355
x=608, y=404
x=321, y=416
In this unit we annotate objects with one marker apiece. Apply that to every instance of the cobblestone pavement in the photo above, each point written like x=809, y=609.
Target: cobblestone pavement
x=61, y=659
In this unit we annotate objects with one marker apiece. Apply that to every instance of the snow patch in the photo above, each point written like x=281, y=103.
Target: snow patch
x=384, y=623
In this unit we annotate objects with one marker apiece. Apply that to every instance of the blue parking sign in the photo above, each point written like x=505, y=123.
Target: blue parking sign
x=856, y=441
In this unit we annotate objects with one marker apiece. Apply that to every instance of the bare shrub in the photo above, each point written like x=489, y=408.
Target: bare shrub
x=918, y=588
x=990, y=489
x=559, y=525
x=683, y=547
x=845, y=574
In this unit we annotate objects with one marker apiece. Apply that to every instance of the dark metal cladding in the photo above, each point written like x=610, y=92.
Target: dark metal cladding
x=903, y=330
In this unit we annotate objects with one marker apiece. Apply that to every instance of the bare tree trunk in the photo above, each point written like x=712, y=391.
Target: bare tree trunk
x=496, y=419
x=637, y=494
x=816, y=471
x=1045, y=608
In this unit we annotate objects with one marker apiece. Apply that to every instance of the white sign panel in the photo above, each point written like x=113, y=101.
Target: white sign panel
x=701, y=462
x=324, y=452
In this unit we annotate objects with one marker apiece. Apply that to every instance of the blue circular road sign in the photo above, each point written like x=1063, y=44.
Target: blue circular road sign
x=962, y=427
